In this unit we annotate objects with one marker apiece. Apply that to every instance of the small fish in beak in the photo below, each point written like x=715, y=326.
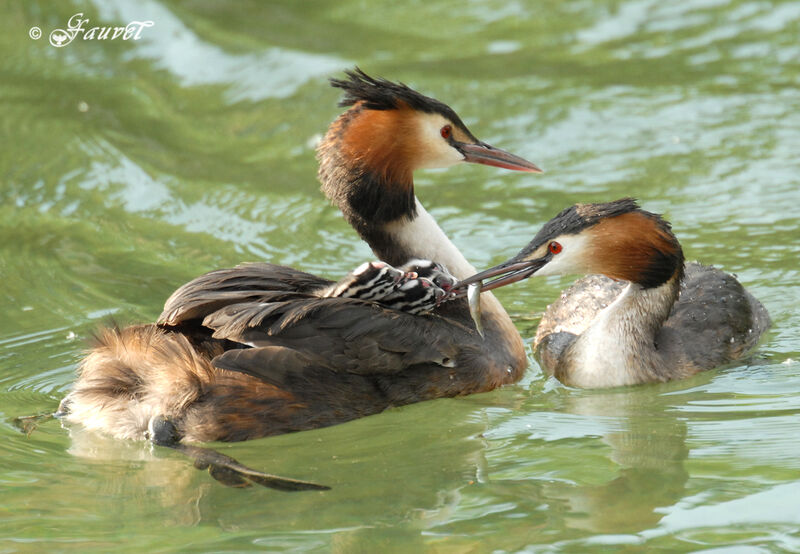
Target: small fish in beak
x=474, y=299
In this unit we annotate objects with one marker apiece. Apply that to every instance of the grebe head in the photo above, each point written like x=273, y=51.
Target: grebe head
x=617, y=239
x=393, y=128
x=370, y=152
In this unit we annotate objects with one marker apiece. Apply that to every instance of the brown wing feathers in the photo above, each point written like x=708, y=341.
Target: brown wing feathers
x=254, y=282
x=284, y=327
x=342, y=335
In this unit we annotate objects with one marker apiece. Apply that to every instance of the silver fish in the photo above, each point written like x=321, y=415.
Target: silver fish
x=474, y=299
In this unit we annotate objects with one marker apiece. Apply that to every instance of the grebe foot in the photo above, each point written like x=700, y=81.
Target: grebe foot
x=162, y=432
x=28, y=424
x=231, y=473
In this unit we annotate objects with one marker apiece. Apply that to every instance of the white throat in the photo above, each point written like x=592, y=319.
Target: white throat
x=426, y=240
x=618, y=347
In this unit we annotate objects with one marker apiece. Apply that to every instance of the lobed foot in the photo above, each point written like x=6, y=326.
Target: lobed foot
x=28, y=424
x=231, y=473
x=162, y=432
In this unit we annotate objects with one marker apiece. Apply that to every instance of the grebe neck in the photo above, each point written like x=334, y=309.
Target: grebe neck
x=398, y=228
x=619, y=348
x=419, y=236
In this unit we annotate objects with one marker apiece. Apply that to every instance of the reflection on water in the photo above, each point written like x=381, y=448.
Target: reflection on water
x=631, y=466
x=649, y=450
x=131, y=167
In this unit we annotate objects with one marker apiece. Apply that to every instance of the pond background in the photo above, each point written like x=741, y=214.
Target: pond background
x=128, y=168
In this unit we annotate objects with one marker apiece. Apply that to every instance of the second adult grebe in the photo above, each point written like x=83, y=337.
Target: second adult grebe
x=651, y=318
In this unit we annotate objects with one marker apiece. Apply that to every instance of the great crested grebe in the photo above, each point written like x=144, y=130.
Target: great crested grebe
x=651, y=318
x=261, y=349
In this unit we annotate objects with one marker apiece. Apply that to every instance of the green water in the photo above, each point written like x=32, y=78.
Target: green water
x=127, y=168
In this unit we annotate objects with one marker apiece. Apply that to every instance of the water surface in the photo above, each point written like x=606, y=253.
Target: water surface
x=128, y=168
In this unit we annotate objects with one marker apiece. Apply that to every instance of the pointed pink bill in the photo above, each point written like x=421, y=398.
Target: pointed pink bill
x=482, y=153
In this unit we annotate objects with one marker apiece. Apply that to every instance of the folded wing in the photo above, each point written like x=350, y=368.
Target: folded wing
x=275, y=324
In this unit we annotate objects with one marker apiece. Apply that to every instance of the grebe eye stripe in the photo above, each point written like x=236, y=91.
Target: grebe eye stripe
x=554, y=247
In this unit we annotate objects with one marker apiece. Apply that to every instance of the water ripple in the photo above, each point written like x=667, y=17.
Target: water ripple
x=272, y=73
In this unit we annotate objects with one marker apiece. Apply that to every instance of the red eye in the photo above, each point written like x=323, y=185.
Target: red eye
x=446, y=131
x=554, y=247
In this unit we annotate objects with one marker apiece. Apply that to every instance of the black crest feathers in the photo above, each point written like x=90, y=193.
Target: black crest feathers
x=382, y=94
